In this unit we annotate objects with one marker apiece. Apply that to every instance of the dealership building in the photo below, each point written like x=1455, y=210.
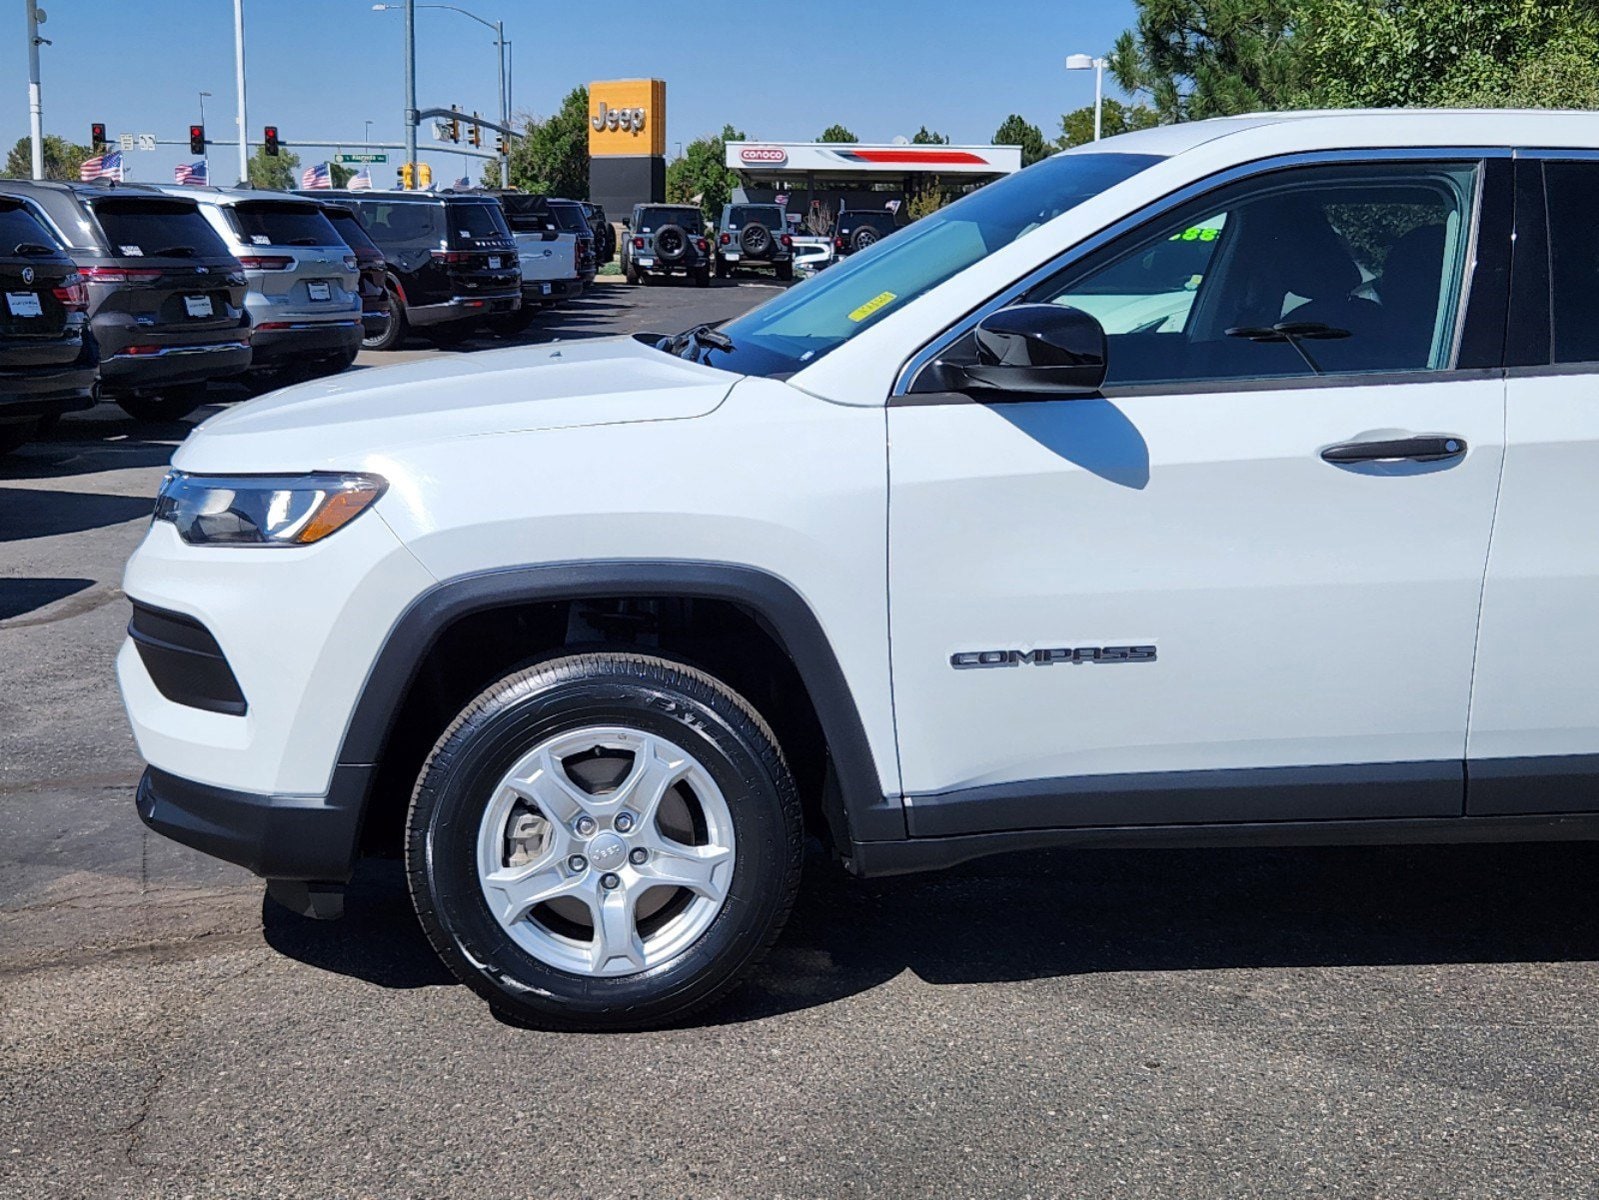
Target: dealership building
x=839, y=175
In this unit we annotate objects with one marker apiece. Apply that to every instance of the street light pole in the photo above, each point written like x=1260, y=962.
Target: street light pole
x=505, y=161
x=35, y=96
x=410, y=85
x=1082, y=62
x=238, y=71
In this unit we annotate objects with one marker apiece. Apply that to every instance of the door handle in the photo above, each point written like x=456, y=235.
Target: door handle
x=1432, y=447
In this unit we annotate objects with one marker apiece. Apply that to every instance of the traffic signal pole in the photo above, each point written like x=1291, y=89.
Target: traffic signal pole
x=35, y=98
x=410, y=83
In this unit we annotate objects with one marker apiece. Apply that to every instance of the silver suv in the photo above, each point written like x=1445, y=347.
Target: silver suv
x=753, y=235
x=304, y=296
x=666, y=240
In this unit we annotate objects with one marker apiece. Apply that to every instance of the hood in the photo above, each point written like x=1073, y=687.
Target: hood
x=340, y=422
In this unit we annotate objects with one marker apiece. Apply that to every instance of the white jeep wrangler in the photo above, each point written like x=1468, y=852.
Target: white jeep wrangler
x=1216, y=484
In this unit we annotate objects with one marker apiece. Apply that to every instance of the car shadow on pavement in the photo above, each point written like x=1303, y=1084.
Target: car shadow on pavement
x=35, y=513
x=1055, y=914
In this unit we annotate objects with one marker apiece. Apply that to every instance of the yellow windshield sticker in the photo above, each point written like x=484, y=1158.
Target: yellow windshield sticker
x=871, y=306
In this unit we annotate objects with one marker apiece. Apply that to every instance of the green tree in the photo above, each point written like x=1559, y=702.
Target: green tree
x=276, y=174
x=929, y=137
x=1207, y=58
x=340, y=173
x=1017, y=131
x=491, y=174
x=554, y=156
x=837, y=133
x=61, y=158
x=1077, y=127
x=701, y=176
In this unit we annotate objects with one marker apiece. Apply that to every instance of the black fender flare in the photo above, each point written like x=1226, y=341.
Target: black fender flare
x=869, y=814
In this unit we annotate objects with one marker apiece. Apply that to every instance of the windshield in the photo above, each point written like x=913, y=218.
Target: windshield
x=275, y=223
x=569, y=217
x=652, y=219
x=817, y=316
x=768, y=215
x=476, y=223
x=19, y=228
x=348, y=226
x=171, y=228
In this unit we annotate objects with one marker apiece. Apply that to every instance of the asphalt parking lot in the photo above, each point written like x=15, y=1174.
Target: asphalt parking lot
x=1363, y=1022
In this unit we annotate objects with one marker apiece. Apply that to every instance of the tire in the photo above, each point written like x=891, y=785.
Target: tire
x=722, y=269
x=671, y=243
x=785, y=270
x=862, y=238
x=755, y=240
x=512, y=323
x=630, y=273
x=537, y=965
x=395, y=332
x=702, y=277
x=333, y=364
x=171, y=405
x=452, y=333
x=17, y=434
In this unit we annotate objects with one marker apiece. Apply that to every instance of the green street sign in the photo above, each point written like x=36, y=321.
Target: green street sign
x=360, y=158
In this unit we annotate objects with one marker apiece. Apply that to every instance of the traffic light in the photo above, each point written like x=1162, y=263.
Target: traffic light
x=97, y=135
x=455, y=125
x=272, y=140
x=406, y=178
x=196, y=139
x=476, y=136
x=499, y=144
x=424, y=175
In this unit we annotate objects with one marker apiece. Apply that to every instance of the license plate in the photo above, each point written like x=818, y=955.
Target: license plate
x=319, y=290
x=24, y=304
x=197, y=306
x=494, y=262
x=646, y=262
x=544, y=289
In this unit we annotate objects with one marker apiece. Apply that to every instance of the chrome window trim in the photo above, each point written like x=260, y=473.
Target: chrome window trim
x=1154, y=210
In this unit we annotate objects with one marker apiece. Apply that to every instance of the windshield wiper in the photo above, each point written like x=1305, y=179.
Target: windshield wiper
x=174, y=252
x=701, y=335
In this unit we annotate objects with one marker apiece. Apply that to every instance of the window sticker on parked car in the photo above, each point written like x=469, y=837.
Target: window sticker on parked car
x=260, y=239
x=131, y=251
x=871, y=306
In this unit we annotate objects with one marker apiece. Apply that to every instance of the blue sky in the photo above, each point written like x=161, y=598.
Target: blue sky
x=322, y=68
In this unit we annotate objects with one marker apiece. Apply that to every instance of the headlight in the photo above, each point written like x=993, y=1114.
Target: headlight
x=263, y=510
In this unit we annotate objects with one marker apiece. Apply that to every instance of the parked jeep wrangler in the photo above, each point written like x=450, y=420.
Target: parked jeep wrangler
x=753, y=236
x=664, y=240
x=858, y=228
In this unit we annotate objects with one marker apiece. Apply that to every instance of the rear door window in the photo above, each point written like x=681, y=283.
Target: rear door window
x=406, y=225
x=1573, y=190
x=273, y=223
x=149, y=228
x=768, y=215
x=19, y=227
x=348, y=227
x=569, y=218
x=653, y=218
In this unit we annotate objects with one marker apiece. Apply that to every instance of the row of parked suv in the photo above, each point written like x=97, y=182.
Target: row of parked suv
x=145, y=294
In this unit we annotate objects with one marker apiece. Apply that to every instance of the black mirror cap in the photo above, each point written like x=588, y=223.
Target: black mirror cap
x=1049, y=349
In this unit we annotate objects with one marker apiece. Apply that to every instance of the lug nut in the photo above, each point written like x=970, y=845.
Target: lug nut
x=610, y=882
x=639, y=857
x=624, y=822
x=578, y=863
x=585, y=826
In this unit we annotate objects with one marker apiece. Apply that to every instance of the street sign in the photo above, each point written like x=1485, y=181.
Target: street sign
x=125, y=142
x=147, y=141
x=360, y=158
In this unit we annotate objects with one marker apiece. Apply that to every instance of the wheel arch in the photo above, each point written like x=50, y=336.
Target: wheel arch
x=853, y=803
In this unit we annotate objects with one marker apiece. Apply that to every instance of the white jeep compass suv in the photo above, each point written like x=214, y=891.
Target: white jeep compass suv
x=1231, y=482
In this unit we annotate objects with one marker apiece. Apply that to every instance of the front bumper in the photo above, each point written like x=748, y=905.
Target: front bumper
x=305, y=339
x=462, y=308
x=310, y=838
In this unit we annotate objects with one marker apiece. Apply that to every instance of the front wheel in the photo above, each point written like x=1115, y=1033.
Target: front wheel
x=604, y=841
x=702, y=277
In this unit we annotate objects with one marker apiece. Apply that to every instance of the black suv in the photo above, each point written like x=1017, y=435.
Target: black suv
x=570, y=218
x=166, y=298
x=858, y=228
x=47, y=365
x=604, y=231
x=665, y=240
x=451, y=261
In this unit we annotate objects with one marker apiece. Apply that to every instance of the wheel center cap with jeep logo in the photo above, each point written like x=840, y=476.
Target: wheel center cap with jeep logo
x=607, y=851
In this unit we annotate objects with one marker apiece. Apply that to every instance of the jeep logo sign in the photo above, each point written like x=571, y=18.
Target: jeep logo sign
x=772, y=155
x=625, y=119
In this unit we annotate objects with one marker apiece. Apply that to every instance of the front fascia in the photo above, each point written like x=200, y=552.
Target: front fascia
x=775, y=481
x=866, y=369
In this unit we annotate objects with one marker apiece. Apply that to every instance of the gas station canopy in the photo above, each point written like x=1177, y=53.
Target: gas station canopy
x=838, y=162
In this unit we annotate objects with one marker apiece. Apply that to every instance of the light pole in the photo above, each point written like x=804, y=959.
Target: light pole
x=500, y=45
x=35, y=96
x=1084, y=62
x=203, y=95
x=238, y=71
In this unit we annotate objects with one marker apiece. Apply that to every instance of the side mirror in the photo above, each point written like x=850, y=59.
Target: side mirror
x=1035, y=349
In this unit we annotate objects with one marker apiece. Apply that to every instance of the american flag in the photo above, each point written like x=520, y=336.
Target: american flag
x=319, y=176
x=362, y=180
x=103, y=166
x=195, y=172
x=463, y=184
